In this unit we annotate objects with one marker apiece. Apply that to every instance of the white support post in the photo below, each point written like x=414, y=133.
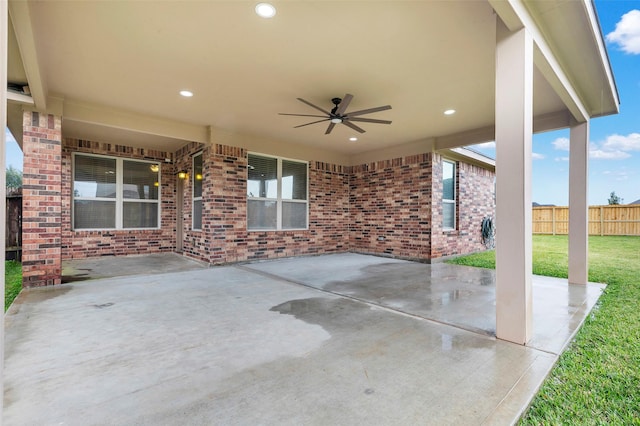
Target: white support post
x=514, y=130
x=4, y=58
x=579, y=204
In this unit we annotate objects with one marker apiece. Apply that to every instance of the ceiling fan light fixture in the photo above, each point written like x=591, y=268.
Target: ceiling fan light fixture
x=353, y=139
x=336, y=120
x=265, y=10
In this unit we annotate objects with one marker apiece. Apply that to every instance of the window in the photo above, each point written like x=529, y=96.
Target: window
x=113, y=193
x=196, y=180
x=448, y=195
x=276, y=193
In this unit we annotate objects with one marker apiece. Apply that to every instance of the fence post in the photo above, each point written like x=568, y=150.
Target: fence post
x=601, y=221
x=553, y=220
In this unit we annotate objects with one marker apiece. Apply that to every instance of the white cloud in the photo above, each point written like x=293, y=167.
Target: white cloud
x=620, y=175
x=616, y=142
x=537, y=156
x=561, y=159
x=599, y=154
x=614, y=147
x=627, y=33
x=561, y=144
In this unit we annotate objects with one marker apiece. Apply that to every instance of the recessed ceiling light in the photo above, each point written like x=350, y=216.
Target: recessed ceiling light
x=450, y=112
x=265, y=10
x=353, y=139
x=186, y=93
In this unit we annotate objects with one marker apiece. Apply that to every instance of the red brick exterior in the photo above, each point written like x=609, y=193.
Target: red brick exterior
x=81, y=244
x=475, y=189
x=390, y=207
x=224, y=237
x=42, y=203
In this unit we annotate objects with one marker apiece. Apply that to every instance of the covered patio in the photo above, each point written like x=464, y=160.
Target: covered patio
x=119, y=162
x=455, y=74
x=333, y=339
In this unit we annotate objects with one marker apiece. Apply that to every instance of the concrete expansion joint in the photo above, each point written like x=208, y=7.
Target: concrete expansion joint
x=477, y=331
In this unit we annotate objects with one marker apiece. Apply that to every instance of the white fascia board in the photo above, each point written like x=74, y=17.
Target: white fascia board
x=473, y=157
x=599, y=41
x=22, y=26
x=515, y=15
x=126, y=120
x=19, y=98
x=468, y=137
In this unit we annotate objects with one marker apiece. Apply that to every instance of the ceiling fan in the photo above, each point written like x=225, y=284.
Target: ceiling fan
x=339, y=115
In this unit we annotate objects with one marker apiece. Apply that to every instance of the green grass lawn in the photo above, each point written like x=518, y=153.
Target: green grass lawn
x=12, y=281
x=597, y=380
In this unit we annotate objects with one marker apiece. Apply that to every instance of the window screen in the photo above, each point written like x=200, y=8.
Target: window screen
x=113, y=193
x=277, y=193
x=448, y=195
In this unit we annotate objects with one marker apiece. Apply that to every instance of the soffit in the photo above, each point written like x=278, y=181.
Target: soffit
x=576, y=39
x=419, y=57
x=15, y=69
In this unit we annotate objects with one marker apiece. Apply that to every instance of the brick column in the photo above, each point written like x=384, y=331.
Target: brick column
x=41, y=200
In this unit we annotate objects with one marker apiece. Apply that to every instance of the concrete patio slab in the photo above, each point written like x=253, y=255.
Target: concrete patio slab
x=231, y=345
x=112, y=266
x=456, y=295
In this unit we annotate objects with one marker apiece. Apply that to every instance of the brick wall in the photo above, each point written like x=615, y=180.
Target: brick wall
x=196, y=244
x=81, y=244
x=475, y=200
x=383, y=208
x=42, y=209
x=391, y=207
x=224, y=237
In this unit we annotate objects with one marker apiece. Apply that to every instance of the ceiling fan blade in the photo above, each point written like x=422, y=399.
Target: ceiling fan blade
x=368, y=120
x=344, y=104
x=301, y=115
x=353, y=126
x=330, y=128
x=369, y=111
x=314, y=122
x=313, y=106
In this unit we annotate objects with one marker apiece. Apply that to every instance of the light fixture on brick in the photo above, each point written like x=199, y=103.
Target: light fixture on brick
x=182, y=174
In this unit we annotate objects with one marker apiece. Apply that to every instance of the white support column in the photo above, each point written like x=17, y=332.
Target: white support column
x=579, y=204
x=514, y=130
x=4, y=36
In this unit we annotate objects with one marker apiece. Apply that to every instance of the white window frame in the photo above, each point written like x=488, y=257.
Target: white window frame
x=453, y=201
x=119, y=200
x=193, y=192
x=279, y=199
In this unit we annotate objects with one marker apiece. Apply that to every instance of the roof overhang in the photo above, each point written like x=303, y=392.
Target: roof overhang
x=112, y=79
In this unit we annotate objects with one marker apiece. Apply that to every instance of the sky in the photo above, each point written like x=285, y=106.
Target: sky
x=614, y=154
x=614, y=151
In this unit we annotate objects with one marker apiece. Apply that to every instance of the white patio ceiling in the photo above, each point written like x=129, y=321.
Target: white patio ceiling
x=98, y=61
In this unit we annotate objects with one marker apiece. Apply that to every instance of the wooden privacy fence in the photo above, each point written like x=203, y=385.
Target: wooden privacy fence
x=603, y=220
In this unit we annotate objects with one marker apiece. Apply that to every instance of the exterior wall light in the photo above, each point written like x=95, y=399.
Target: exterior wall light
x=182, y=174
x=154, y=168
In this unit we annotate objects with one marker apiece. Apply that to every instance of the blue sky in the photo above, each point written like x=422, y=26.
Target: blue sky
x=614, y=154
x=614, y=163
